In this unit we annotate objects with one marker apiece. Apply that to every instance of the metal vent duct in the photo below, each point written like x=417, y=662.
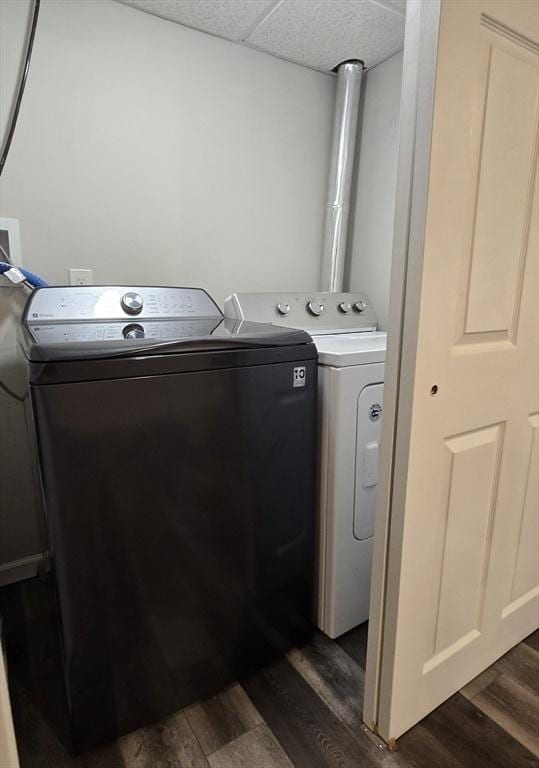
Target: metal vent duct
x=349, y=76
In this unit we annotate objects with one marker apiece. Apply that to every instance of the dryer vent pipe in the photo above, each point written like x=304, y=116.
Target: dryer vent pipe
x=349, y=75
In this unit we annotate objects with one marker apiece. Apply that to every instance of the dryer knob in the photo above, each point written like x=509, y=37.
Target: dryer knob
x=345, y=307
x=282, y=308
x=133, y=331
x=132, y=303
x=315, y=308
x=360, y=306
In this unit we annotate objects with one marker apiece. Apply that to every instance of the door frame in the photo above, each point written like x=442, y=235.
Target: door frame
x=415, y=132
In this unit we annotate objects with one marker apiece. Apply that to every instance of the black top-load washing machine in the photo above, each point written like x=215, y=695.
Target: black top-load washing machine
x=177, y=456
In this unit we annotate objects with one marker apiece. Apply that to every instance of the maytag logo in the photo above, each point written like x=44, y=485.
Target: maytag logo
x=375, y=411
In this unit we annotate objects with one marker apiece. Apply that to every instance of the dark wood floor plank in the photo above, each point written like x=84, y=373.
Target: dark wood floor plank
x=480, y=682
x=222, y=719
x=256, y=749
x=533, y=640
x=170, y=744
x=311, y=735
x=334, y=676
x=355, y=644
x=514, y=707
x=339, y=681
x=420, y=749
x=521, y=663
x=474, y=739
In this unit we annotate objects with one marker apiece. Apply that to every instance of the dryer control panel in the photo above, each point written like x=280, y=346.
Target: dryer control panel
x=316, y=313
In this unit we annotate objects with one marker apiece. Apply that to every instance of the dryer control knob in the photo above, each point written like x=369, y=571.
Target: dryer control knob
x=359, y=306
x=315, y=308
x=133, y=331
x=345, y=306
x=282, y=308
x=132, y=303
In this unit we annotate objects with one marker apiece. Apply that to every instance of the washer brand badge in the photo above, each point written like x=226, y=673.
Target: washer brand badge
x=375, y=411
x=300, y=374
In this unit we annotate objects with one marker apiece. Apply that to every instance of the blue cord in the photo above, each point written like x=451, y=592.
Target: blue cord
x=34, y=280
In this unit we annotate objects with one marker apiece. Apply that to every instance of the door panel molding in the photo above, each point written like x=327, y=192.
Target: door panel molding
x=468, y=522
x=525, y=579
x=506, y=86
x=511, y=34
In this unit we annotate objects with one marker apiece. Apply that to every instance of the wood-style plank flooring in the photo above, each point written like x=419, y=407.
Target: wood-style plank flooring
x=305, y=711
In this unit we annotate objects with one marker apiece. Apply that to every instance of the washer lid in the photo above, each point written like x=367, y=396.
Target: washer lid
x=344, y=349
x=184, y=350
x=52, y=342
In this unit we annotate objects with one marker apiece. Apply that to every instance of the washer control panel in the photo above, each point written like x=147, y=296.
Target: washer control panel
x=115, y=302
x=58, y=333
x=316, y=313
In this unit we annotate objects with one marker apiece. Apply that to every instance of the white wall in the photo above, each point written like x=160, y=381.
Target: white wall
x=152, y=153
x=373, y=206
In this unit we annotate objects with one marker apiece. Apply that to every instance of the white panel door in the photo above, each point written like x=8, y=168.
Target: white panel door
x=463, y=571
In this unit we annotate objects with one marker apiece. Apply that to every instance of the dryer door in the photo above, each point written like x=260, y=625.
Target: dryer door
x=369, y=417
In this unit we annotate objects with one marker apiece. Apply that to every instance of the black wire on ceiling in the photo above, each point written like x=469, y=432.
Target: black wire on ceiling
x=15, y=113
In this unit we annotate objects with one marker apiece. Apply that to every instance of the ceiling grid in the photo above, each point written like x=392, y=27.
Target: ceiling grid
x=314, y=33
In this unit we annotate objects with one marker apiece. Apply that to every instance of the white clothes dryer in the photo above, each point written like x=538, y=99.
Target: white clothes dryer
x=351, y=359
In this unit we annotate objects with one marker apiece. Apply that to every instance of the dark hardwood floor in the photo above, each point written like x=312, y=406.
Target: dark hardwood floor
x=305, y=711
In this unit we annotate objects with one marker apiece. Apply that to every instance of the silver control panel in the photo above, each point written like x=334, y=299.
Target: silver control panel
x=56, y=333
x=112, y=303
x=316, y=313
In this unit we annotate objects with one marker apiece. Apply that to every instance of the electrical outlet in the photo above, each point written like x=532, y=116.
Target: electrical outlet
x=80, y=277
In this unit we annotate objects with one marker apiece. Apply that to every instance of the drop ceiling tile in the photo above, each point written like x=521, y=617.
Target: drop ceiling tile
x=322, y=33
x=227, y=18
